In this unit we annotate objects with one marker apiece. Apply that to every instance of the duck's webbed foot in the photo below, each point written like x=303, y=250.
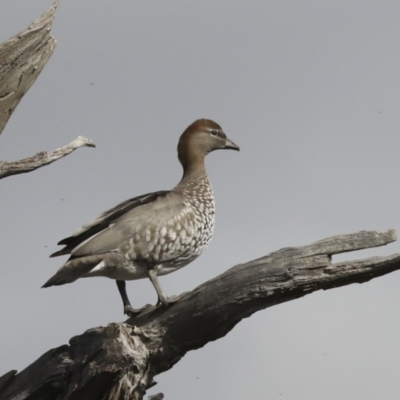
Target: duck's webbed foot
x=133, y=312
x=162, y=297
x=128, y=309
x=167, y=301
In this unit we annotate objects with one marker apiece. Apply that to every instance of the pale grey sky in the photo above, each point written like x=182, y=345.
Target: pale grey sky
x=310, y=90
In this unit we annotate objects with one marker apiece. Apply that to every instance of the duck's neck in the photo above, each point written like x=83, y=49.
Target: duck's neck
x=193, y=174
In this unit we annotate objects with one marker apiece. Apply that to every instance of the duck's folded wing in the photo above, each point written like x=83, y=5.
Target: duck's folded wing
x=136, y=228
x=105, y=220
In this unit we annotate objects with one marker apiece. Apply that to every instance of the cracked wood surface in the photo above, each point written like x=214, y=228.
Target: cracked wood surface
x=121, y=360
x=22, y=58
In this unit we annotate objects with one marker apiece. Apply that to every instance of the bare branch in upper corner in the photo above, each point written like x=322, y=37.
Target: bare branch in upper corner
x=8, y=168
x=22, y=58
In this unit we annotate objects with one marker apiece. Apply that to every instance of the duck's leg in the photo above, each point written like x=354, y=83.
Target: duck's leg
x=162, y=297
x=128, y=309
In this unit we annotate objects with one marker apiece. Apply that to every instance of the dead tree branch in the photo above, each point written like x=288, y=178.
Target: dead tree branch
x=22, y=59
x=120, y=361
x=42, y=158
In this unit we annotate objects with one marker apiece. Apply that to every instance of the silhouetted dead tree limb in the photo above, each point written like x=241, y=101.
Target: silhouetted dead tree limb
x=120, y=361
x=22, y=59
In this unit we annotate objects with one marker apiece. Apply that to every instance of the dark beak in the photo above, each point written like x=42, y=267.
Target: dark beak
x=229, y=145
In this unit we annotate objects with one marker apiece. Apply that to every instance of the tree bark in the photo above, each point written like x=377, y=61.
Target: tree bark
x=22, y=59
x=42, y=158
x=121, y=360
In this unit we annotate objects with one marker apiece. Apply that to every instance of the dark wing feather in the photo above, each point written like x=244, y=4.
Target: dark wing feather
x=105, y=219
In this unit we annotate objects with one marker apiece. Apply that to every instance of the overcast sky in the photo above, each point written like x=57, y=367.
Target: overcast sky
x=310, y=91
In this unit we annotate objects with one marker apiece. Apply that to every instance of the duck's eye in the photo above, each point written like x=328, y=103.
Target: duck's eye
x=214, y=132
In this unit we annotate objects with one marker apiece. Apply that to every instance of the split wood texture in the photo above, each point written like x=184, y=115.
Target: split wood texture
x=121, y=360
x=22, y=58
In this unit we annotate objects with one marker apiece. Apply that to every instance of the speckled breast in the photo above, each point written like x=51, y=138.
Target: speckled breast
x=183, y=235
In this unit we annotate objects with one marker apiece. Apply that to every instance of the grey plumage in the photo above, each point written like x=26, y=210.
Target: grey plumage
x=153, y=234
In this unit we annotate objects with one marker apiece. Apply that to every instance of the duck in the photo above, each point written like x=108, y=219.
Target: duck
x=153, y=234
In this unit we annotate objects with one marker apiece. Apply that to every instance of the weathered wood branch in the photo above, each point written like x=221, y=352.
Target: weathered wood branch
x=120, y=361
x=8, y=168
x=22, y=59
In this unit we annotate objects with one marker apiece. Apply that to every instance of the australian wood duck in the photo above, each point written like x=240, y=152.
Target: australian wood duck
x=153, y=234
